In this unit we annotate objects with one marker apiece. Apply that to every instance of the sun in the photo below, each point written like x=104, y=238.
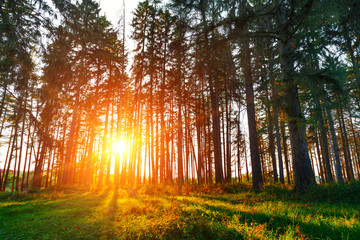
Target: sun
x=120, y=146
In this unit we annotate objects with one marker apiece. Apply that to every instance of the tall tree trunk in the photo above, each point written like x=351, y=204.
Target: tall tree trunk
x=117, y=156
x=23, y=110
x=216, y=133
x=7, y=169
x=352, y=56
x=89, y=160
x=319, y=157
x=250, y=107
x=2, y=107
x=262, y=159
x=208, y=150
x=108, y=162
x=354, y=137
x=324, y=141
x=162, y=111
x=199, y=120
x=26, y=154
x=246, y=163
x=338, y=172
x=187, y=150
x=286, y=158
x=180, y=145
x=304, y=175
x=66, y=178
x=228, y=135
x=104, y=148
x=223, y=131
x=238, y=147
x=271, y=139
x=275, y=100
x=6, y=159
x=344, y=138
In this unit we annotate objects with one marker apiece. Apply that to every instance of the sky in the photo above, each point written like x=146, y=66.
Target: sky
x=113, y=10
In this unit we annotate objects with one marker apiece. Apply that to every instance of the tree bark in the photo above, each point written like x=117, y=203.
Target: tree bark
x=338, y=172
x=304, y=175
x=324, y=141
x=66, y=180
x=250, y=107
x=271, y=139
x=275, y=100
x=285, y=149
x=104, y=149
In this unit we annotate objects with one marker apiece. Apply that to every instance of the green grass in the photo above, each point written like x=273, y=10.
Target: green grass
x=229, y=212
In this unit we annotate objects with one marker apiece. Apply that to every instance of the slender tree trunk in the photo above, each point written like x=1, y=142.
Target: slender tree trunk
x=319, y=157
x=216, y=133
x=324, y=141
x=117, y=156
x=162, y=111
x=223, y=156
x=2, y=107
x=187, y=150
x=10, y=159
x=23, y=113
x=104, y=148
x=39, y=161
x=62, y=154
x=228, y=136
x=89, y=159
x=354, y=137
x=66, y=178
x=199, y=142
x=15, y=165
x=246, y=162
x=208, y=155
x=238, y=147
x=48, y=167
x=275, y=100
x=30, y=155
x=250, y=107
x=338, y=172
x=271, y=139
x=347, y=156
x=108, y=162
x=287, y=167
x=6, y=160
x=352, y=56
x=262, y=159
x=26, y=155
x=180, y=145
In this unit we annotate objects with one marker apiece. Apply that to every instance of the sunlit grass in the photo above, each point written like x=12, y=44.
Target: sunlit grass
x=161, y=213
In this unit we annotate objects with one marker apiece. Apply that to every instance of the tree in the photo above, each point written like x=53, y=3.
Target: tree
x=304, y=175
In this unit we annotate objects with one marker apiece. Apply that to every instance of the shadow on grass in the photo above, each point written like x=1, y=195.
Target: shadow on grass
x=280, y=224
x=107, y=231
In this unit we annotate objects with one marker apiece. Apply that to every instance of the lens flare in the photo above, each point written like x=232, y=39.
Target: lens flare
x=120, y=146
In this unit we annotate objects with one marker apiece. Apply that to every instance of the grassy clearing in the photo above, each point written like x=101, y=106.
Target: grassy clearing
x=230, y=212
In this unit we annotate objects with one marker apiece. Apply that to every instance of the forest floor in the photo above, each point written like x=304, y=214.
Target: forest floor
x=226, y=212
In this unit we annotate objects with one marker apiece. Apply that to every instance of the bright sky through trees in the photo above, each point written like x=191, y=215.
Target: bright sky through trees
x=113, y=11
